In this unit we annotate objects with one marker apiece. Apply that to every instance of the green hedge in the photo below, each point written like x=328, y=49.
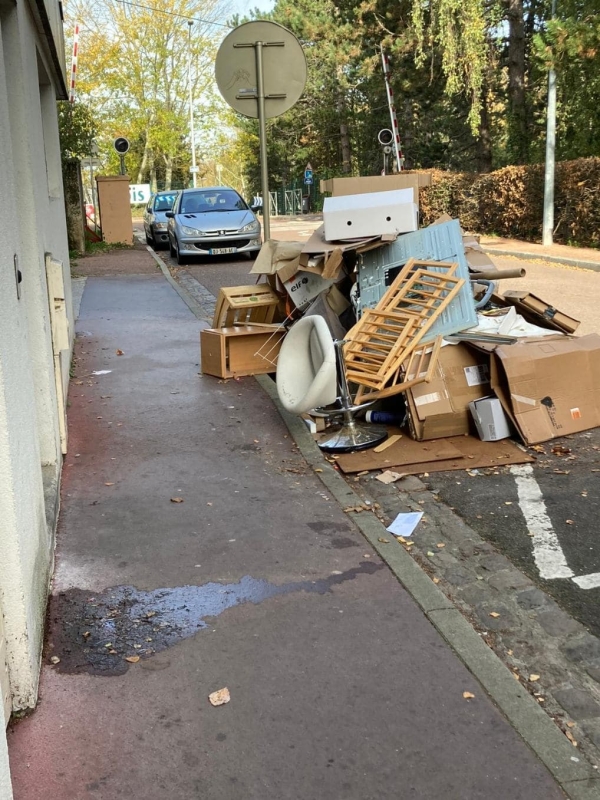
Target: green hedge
x=509, y=202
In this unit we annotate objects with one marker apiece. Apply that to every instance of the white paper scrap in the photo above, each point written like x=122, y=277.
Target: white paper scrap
x=102, y=372
x=405, y=524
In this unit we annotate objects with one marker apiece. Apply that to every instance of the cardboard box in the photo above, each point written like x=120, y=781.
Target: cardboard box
x=338, y=187
x=490, y=420
x=304, y=287
x=549, y=387
x=356, y=216
x=539, y=312
x=243, y=350
x=440, y=408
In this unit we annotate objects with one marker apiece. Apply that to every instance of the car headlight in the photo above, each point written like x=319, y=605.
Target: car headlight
x=251, y=227
x=160, y=226
x=191, y=231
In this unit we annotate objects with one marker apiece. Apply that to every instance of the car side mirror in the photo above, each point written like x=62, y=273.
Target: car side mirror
x=254, y=209
x=169, y=215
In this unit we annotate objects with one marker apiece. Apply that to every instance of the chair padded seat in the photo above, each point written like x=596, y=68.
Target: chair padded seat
x=306, y=367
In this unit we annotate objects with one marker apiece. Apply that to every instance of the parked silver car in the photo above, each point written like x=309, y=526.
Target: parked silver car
x=155, y=221
x=212, y=221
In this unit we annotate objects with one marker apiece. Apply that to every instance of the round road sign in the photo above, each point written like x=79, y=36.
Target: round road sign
x=284, y=68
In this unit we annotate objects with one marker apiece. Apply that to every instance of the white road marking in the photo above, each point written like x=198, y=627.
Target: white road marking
x=547, y=552
x=591, y=581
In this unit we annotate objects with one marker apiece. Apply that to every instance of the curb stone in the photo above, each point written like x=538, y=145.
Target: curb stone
x=577, y=777
x=568, y=262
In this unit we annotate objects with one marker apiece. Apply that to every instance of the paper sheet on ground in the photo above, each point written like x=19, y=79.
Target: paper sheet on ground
x=405, y=524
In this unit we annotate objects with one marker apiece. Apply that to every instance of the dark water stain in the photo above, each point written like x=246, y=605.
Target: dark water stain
x=94, y=633
x=326, y=526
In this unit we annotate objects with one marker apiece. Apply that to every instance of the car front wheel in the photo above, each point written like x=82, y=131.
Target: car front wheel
x=180, y=259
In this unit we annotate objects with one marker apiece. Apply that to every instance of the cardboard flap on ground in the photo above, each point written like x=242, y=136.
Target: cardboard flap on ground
x=534, y=309
x=440, y=408
x=549, y=387
x=338, y=187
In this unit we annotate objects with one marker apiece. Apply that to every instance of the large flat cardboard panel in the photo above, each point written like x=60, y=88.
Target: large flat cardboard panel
x=440, y=408
x=405, y=451
x=372, y=214
x=549, y=387
x=475, y=454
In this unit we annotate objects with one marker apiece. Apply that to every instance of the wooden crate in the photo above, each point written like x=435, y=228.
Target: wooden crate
x=240, y=350
x=245, y=305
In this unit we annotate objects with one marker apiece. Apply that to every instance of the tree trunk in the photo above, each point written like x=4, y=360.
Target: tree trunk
x=484, y=142
x=518, y=140
x=168, y=170
x=145, y=160
x=344, y=134
x=153, y=184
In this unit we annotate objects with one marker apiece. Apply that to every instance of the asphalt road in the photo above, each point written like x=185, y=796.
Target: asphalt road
x=490, y=501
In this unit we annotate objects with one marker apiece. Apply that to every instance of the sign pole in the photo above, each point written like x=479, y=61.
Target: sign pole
x=262, y=134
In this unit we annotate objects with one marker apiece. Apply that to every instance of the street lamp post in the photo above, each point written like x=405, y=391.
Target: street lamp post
x=191, y=102
x=548, y=220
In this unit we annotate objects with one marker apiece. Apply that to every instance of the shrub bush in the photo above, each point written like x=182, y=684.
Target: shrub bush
x=510, y=201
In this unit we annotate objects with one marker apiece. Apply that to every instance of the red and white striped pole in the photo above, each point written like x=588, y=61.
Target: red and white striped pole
x=390, y=97
x=74, y=63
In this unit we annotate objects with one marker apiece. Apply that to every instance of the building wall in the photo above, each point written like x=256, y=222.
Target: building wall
x=32, y=210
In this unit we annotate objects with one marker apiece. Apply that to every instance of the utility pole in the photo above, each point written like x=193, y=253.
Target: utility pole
x=548, y=221
x=191, y=102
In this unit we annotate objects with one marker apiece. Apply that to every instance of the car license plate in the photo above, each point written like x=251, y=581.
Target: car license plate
x=219, y=251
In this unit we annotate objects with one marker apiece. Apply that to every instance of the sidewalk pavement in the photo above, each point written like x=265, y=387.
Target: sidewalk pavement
x=256, y=581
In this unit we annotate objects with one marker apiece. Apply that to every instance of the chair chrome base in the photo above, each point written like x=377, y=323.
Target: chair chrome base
x=354, y=436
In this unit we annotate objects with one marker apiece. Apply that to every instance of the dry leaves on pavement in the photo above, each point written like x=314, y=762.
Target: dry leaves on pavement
x=220, y=697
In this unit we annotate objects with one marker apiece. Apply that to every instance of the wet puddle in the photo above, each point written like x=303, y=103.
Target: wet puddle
x=95, y=633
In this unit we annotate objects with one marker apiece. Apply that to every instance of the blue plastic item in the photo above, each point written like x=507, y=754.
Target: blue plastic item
x=377, y=269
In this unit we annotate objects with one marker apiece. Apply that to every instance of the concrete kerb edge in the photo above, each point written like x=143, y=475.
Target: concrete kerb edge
x=568, y=262
x=532, y=723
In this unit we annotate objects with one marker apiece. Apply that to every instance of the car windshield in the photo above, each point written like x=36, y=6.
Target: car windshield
x=164, y=202
x=211, y=200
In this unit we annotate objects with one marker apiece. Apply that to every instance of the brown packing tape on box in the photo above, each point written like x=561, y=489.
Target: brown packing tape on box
x=549, y=387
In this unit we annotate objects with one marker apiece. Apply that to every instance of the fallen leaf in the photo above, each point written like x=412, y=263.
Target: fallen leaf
x=383, y=541
x=494, y=614
x=571, y=738
x=108, y=644
x=560, y=450
x=150, y=614
x=220, y=697
x=132, y=659
x=109, y=484
x=440, y=545
x=538, y=448
x=533, y=677
x=388, y=476
x=436, y=580
x=120, y=353
x=569, y=522
x=429, y=553
x=112, y=652
x=177, y=499
x=510, y=652
x=468, y=695
x=570, y=724
x=54, y=659
x=508, y=502
x=318, y=470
